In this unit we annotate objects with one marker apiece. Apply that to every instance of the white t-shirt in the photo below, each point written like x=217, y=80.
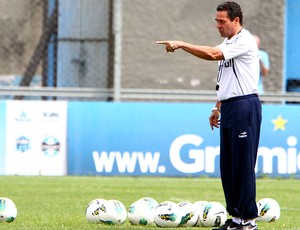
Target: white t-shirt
x=238, y=74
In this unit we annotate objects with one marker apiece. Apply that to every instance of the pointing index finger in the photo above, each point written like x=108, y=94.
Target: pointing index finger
x=161, y=42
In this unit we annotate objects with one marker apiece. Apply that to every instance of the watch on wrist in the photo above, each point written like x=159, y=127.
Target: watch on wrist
x=215, y=109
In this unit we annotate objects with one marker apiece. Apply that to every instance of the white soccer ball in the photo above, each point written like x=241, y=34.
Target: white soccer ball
x=152, y=202
x=141, y=212
x=199, y=209
x=268, y=210
x=167, y=214
x=190, y=215
x=115, y=214
x=213, y=214
x=8, y=210
x=94, y=209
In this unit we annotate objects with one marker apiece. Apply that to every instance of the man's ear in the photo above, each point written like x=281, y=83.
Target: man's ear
x=237, y=20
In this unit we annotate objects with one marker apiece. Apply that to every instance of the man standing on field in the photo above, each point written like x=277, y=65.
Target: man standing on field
x=238, y=102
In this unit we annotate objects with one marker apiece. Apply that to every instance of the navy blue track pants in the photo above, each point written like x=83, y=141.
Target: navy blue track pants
x=239, y=136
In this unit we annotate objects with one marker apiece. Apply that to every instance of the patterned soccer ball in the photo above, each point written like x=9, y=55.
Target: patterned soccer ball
x=94, y=209
x=199, y=208
x=190, y=215
x=213, y=214
x=167, y=214
x=115, y=213
x=268, y=210
x=141, y=212
x=153, y=202
x=8, y=210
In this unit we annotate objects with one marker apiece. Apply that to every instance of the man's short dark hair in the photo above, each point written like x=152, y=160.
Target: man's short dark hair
x=233, y=9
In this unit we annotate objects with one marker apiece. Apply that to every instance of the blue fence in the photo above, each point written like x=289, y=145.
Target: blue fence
x=292, y=48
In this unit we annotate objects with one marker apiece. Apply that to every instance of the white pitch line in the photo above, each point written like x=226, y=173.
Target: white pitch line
x=290, y=209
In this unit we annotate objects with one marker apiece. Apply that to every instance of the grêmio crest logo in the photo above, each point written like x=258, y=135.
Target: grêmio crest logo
x=22, y=144
x=50, y=146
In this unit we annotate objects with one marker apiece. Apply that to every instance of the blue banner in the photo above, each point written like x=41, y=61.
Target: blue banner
x=279, y=149
x=170, y=139
x=2, y=137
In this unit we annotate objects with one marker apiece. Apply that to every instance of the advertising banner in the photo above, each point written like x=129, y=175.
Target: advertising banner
x=2, y=137
x=36, y=135
x=170, y=139
x=137, y=138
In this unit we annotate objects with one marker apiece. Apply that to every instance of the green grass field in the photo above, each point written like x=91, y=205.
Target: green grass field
x=60, y=202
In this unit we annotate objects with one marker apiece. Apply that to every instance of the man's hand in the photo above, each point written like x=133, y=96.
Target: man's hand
x=214, y=119
x=171, y=46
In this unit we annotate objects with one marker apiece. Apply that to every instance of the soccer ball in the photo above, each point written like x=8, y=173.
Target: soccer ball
x=167, y=214
x=115, y=213
x=8, y=210
x=268, y=210
x=93, y=210
x=213, y=214
x=190, y=215
x=199, y=209
x=153, y=203
x=141, y=211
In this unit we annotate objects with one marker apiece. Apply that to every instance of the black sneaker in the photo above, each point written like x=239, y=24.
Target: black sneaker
x=229, y=225
x=247, y=226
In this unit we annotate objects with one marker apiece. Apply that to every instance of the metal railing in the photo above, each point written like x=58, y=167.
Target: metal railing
x=127, y=94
